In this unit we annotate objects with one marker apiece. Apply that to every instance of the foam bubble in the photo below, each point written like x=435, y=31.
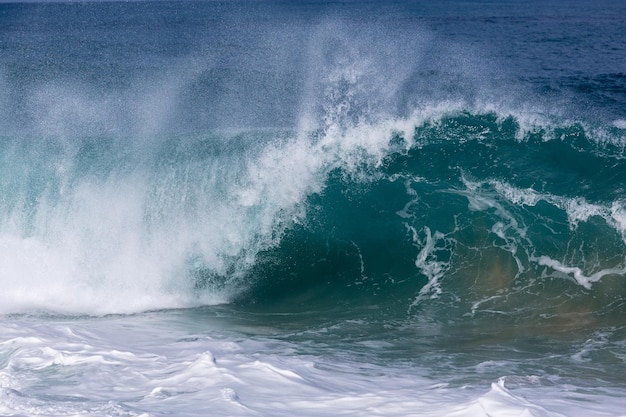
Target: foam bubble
x=620, y=123
x=618, y=215
x=526, y=196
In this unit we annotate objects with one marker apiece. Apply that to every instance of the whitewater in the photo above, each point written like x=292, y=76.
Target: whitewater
x=278, y=208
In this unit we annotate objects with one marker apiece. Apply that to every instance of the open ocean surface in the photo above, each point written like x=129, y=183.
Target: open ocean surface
x=310, y=208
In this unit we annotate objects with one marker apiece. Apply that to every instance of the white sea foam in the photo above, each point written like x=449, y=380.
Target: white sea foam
x=577, y=208
x=577, y=273
x=620, y=123
x=427, y=262
x=151, y=366
x=527, y=196
x=618, y=217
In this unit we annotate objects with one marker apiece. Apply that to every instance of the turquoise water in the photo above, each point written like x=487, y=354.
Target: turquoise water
x=360, y=208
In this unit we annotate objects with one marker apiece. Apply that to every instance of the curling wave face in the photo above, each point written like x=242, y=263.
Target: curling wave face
x=482, y=210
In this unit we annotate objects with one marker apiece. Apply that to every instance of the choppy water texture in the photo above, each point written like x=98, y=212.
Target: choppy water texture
x=377, y=208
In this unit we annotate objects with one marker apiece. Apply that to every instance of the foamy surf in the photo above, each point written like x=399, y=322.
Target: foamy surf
x=121, y=367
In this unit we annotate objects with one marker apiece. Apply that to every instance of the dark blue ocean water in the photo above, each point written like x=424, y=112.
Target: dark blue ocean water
x=445, y=180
